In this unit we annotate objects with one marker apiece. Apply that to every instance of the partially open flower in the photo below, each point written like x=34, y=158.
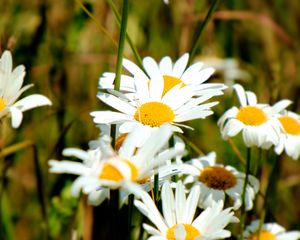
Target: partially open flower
x=11, y=81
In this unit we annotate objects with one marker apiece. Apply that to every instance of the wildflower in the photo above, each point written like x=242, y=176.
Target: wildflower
x=258, y=126
x=269, y=231
x=104, y=168
x=289, y=137
x=11, y=81
x=216, y=181
x=172, y=75
x=178, y=220
x=150, y=107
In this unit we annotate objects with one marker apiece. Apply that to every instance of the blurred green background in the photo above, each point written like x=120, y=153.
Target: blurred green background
x=255, y=43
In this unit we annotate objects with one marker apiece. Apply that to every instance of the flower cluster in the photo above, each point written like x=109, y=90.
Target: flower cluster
x=262, y=125
x=153, y=104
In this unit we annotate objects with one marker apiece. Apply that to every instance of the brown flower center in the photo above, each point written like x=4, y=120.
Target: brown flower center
x=217, y=178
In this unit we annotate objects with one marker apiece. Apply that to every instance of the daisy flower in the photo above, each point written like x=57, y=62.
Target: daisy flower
x=106, y=168
x=259, y=128
x=217, y=181
x=178, y=220
x=269, y=231
x=173, y=74
x=289, y=138
x=150, y=108
x=11, y=81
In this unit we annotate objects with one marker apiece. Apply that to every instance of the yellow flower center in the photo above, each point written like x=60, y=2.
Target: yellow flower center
x=112, y=173
x=217, y=178
x=170, y=82
x=2, y=104
x=253, y=116
x=290, y=125
x=154, y=114
x=263, y=235
x=191, y=232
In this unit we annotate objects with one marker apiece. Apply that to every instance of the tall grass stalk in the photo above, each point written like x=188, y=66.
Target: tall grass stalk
x=114, y=194
x=129, y=40
x=201, y=28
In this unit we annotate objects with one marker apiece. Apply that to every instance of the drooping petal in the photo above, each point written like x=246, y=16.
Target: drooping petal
x=32, y=101
x=16, y=116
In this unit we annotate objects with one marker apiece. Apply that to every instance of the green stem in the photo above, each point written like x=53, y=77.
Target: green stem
x=130, y=211
x=129, y=40
x=5, y=220
x=114, y=206
x=114, y=194
x=122, y=39
x=156, y=187
x=202, y=27
x=243, y=208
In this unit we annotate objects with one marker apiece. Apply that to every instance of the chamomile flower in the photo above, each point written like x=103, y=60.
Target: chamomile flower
x=178, y=221
x=269, y=231
x=216, y=181
x=151, y=109
x=178, y=73
x=289, y=138
x=11, y=81
x=259, y=128
x=106, y=168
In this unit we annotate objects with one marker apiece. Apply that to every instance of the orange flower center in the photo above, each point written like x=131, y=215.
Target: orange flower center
x=170, y=82
x=191, y=232
x=2, y=104
x=263, y=235
x=217, y=178
x=252, y=116
x=154, y=114
x=112, y=173
x=290, y=125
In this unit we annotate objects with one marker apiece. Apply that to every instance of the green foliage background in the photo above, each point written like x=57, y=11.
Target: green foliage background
x=64, y=52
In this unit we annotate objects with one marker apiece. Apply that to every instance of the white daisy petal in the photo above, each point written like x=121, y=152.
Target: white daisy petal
x=180, y=65
x=168, y=204
x=241, y=94
x=165, y=65
x=251, y=98
x=108, y=117
x=188, y=76
x=180, y=202
x=16, y=116
x=32, y=101
x=203, y=75
x=116, y=103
